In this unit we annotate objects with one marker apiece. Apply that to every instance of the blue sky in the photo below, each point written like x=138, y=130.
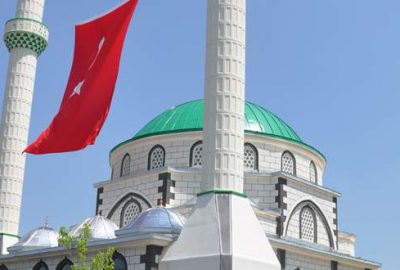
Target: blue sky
x=328, y=68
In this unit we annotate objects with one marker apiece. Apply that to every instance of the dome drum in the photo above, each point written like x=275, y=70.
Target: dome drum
x=178, y=129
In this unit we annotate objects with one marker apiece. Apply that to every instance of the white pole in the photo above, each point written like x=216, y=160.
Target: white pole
x=224, y=96
x=26, y=38
x=222, y=232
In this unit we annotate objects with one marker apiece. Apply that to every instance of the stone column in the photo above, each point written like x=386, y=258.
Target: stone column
x=26, y=38
x=224, y=96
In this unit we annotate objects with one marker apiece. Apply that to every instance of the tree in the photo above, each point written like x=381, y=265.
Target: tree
x=103, y=259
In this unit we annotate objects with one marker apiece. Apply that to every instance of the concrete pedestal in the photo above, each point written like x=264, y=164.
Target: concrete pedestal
x=222, y=233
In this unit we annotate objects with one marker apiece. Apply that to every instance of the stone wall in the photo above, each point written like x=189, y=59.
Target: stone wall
x=177, y=148
x=133, y=256
x=294, y=260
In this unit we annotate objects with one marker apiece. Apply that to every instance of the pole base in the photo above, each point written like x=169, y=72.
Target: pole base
x=6, y=241
x=222, y=233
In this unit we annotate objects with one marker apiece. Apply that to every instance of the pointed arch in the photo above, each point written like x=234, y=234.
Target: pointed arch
x=313, y=173
x=196, y=155
x=65, y=264
x=129, y=211
x=308, y=225
x=125, y=165
x=250, y=157
x=41, y=265
x=119, y=261
x=317, y=210
x=124, y=199
x=156, y=157
x=288, y=163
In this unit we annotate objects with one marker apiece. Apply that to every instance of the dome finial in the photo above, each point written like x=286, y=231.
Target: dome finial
x=46, y=222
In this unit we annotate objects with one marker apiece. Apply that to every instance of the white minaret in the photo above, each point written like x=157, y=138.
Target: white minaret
x=223, y=232
x=223, y=134
x=26, y=38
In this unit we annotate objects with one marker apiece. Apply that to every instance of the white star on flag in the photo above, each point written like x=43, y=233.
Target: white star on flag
x=77, y=89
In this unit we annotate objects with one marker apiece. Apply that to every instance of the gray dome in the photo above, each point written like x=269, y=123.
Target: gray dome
x=42, y=237
x=100, y=228
x=154, y=220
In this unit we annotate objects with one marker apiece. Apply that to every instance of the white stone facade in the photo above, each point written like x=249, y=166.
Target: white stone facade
x=278, y=199
x=177, y=154
x=283, y=178
x=132, y=253
x=277, y=202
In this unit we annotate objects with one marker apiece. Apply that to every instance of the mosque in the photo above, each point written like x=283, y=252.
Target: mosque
x=156, y=188
x=155, y=179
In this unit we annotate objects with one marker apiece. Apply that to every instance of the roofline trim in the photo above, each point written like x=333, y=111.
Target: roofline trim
x=313, y=149
x=10, y=234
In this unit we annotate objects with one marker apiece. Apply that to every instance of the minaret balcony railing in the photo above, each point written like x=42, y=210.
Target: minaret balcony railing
x=26, y=33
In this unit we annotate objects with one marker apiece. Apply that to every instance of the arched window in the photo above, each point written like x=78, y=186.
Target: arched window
x=288, y=163
x=41, y=266
x=119, y=261
x=126, y=165
x=250, y=157
x=3, y=267
x=156, y=157
x=313, y=172
x=308, y=225
x=196, y=155
x=64, y=265
x=130, y=210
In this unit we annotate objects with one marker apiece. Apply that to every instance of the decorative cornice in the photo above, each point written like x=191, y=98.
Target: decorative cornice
x=10, y=234
x=26, y=33
x=222, y=191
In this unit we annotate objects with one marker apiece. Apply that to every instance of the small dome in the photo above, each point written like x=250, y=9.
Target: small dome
x=154, y=220
x=100, y=228
x=42, y=237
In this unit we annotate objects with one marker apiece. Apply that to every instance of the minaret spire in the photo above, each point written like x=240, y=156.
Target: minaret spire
x=223, y=232
x=26, y=38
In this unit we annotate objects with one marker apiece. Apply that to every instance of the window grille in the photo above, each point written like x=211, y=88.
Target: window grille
x=196, y=155
x=288, y=163
x=129, y=212
x=156, y=158
x=307, y=225
x=250, y=158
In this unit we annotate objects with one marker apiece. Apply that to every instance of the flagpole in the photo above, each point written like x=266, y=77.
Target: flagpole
x=26, y=38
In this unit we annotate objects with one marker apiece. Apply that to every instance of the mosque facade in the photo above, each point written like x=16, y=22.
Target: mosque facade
x=261, y=178
x=159, y=170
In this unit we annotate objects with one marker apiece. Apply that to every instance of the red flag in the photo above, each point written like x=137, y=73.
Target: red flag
x=90, y=88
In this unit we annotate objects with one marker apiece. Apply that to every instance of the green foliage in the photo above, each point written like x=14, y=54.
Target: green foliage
x=65, y=239
x=103, y=260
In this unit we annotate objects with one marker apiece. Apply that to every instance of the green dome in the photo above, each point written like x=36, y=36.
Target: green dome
x=189, y=117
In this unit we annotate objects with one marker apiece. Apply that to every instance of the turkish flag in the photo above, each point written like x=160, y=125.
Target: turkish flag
x=90, y=88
